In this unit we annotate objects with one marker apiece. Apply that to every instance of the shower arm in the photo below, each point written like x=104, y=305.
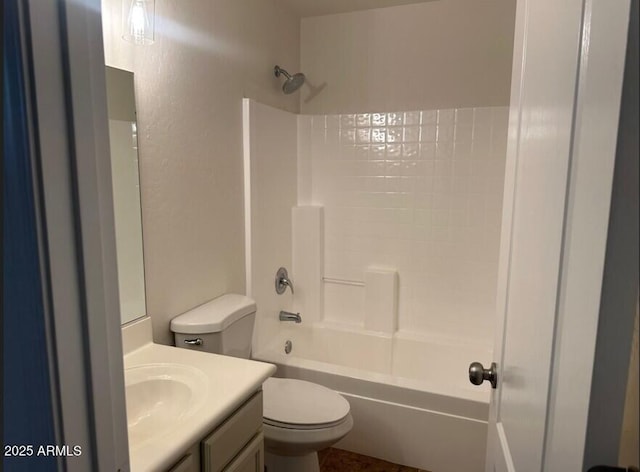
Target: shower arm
x=279, y=70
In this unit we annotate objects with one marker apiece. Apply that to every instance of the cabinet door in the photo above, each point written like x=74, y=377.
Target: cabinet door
x=186, y=464
x=251, y=459
x=221, y=446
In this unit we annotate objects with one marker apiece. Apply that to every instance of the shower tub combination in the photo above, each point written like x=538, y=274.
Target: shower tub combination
x=410, y=397
x=343, y=238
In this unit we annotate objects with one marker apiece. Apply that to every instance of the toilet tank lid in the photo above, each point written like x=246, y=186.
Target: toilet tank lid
x=215, y=315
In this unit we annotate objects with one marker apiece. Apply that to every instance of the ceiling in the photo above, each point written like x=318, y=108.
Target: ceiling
x=306, y=8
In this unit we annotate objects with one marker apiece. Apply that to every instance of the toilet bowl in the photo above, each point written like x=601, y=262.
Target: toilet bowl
x=299, y=417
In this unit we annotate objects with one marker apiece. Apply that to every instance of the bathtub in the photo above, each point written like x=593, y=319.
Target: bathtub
x=410, y=396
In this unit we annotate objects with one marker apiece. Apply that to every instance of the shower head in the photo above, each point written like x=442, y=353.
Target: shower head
x=292, y=82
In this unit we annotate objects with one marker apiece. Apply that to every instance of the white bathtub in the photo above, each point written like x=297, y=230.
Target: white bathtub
x=410, y=397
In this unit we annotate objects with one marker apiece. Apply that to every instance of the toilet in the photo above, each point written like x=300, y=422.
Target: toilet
x=299, y=417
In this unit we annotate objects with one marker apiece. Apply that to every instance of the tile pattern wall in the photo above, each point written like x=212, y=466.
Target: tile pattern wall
x=419, y=192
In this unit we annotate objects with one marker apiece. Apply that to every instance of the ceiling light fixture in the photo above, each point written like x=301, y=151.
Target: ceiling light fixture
x=138, y=21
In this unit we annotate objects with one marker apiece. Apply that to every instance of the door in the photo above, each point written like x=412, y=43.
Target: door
x=28, y=403
x=565, y=98
x=63, y=231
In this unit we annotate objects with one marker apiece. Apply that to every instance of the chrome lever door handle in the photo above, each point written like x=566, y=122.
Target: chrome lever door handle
x=478, y=374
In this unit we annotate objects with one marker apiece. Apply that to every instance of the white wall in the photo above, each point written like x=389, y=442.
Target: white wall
x=270, y=169
x=415, y=192
x=438, y=54
x=208, y=55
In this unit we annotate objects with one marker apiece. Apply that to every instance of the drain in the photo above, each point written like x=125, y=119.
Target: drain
x=288, y=346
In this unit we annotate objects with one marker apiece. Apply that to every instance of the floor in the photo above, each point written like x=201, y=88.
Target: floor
x=337, y=460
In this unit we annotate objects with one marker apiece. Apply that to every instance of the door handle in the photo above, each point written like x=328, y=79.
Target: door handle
x=478, y=374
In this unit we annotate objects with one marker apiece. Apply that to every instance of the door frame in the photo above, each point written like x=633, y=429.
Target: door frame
x=600, y=59
x=65, y=69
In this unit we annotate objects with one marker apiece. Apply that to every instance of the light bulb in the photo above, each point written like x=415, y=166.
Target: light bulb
x=138, y=17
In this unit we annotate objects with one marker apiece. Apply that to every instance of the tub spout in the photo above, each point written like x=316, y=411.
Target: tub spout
x=286, y=316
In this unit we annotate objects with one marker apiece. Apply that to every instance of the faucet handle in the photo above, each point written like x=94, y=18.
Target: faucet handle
x=282, y=281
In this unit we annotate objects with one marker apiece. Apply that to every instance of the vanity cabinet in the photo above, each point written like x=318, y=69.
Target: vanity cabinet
x=242, y=430
x=236, y=445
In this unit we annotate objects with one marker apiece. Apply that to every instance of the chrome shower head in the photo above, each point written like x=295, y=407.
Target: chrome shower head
x=292, y=82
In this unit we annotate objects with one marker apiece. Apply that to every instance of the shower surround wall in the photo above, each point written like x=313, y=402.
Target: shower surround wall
x=418, y=193
x=270, y=155
x=389, y=224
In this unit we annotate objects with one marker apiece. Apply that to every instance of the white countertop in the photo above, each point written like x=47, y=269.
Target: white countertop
x=229, y=383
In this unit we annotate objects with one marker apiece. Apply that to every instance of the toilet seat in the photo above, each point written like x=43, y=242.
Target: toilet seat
x=278, y=424
x=301, y=405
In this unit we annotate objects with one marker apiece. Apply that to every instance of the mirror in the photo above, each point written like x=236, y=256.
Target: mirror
x=126, y=192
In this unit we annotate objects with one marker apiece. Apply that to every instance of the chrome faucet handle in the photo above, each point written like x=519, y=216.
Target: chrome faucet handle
x=282, y=281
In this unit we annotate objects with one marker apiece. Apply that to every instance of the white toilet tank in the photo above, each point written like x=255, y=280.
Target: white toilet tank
x=222, y=326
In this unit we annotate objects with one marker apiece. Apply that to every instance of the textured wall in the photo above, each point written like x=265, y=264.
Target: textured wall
x=440, y=54
x=208, y=55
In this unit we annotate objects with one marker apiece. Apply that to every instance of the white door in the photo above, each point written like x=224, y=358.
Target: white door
x=565, y=97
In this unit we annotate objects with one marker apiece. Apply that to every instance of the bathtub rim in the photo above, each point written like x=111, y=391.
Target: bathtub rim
x=382, y=387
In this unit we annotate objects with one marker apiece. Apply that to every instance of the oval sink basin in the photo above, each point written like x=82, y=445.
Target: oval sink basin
x=159, y=396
